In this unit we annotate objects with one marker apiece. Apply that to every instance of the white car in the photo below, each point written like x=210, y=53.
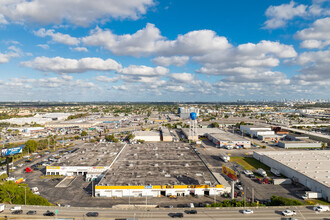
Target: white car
x=247, y=172
x=321, y=208
x=247, y=211
x=239, y=187
x=288, y=212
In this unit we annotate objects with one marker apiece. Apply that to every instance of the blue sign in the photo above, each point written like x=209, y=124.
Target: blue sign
x=11, y=151
x=148, y=187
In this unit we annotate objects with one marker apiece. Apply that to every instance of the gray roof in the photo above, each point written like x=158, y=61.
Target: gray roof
x=158, y=164
x=314, y=164
x=101, y=154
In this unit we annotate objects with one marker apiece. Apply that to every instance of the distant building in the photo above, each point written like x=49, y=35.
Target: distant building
x=227, y=140
x=298, y=141
x=147, y=136
x=166, y=134
x=256, y=130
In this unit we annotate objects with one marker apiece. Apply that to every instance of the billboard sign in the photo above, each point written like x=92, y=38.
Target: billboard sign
x=11, y=151
x=229, y=172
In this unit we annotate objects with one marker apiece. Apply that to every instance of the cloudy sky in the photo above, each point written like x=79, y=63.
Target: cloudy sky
x=164, y=50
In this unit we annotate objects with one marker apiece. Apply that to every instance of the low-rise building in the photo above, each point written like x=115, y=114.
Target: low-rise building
x=309, y=168
x=166, y=135
x=256, y=130
x=90, y=160
x=227, y=139
x=147, y=136
x=155, y=170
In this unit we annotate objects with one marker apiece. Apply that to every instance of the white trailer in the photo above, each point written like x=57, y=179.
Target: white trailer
x=312, y=195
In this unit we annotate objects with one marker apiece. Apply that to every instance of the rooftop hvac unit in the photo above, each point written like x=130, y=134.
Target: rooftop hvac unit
x=186, y=165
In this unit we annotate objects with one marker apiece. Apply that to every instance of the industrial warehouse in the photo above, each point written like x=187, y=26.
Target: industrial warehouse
x=158, y=170
x=228, y=140
x=310, y=168
x=137, y=170
x=90, y=160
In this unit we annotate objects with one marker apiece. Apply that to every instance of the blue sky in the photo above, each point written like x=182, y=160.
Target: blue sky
x=147, y=50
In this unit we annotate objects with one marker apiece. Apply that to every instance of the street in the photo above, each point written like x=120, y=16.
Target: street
x=155, y=213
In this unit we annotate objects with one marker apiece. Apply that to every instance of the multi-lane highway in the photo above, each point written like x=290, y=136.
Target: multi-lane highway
x=154, y=213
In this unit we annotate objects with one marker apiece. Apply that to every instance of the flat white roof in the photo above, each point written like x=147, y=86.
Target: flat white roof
x=146, y=133
x=226, y=136
x=313, y=163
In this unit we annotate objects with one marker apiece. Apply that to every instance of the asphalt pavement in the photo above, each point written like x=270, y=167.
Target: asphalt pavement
x=303, y=212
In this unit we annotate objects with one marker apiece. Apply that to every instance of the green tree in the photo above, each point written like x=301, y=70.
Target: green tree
x=12, y=193
x=281, y=201
x=111, y=138
x=214, y=125
x=84, y=133
x=130, y=136
x=30, y=146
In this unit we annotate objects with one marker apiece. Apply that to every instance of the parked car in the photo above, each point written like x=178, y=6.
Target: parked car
x=31, y=212
x=247, y=172
x=191, y=211
x=92, y=214
x=247, y=211
x=288, y=212
x=239, y=187
x=17, y=212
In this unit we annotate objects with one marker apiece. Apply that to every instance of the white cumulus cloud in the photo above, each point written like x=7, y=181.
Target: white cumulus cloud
x=81, y=13
x=150, y=41
x=57, y=37
x=63, y=65
x=316, y=36
x=174, y=60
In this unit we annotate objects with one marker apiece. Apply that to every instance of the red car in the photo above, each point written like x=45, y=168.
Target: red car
x=28, y=170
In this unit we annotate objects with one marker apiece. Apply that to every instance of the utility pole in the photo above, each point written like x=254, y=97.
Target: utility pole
x=92, y=188
x=244, y=191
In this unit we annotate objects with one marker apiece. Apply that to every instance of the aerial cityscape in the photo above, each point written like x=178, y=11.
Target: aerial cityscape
x=145, y=109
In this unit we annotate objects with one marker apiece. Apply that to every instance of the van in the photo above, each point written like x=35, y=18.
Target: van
x=15, y=208
x=192, y=205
